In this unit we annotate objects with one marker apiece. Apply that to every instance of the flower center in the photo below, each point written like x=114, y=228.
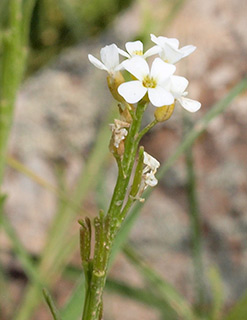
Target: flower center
x=137, y=53
x=149, y=82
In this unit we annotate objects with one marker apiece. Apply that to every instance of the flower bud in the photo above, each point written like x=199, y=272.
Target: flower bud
x=164, y=113
x=114, y=81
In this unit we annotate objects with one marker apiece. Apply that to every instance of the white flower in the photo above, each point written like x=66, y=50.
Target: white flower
x=169, y=49
x=150, y=168
x=177, y=86
x=118, y=131
x=150, y=163
x=135, y=48
x=150, y=180
x=152, y=82
x=110, y=59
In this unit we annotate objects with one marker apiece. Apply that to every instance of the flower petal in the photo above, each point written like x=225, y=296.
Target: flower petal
x=187, y=50
x=189, y=104
x=97, y=63
x=173, y=42
x=160, y=97
x=161, y=70
x=132, y=91
x=150, y=161
x=123, y=53
x=171, y=54
x=150, y=179
x=137, y=66
x=152, y=51
x=134, y=46
x=161, y=41
x=110, y=56
x=178, y=85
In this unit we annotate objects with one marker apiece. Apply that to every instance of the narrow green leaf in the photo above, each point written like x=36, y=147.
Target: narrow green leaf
x=142, y=295
x=165, y=290
x=51, y=305
x=195, y=227
x=217, y=290
x=74, y=306
x=22, y=254
x=239, y=311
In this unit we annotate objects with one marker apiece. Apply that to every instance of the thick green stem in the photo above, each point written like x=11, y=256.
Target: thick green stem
x=106, y=227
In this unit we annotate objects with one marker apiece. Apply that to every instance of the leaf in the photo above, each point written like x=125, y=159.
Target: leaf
x=51, y=305
x=239, y=311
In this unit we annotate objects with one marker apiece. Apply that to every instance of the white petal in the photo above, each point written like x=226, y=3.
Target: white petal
x=132, y=91
x=131, y=47
x=98, y=64
x=123, y=53
x=154, y=38
x=171, y=54
x=187, y=50
x=189, y=104
x=152, y=51
x=161, y=41
x=150, y=179
x=178, y=85
x=173, y=42
x=160, y=97
x=161, y=70
x=110, y=56
x=150, y=161
x=137, y=66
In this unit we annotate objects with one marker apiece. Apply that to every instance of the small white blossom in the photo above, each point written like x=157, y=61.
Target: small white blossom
x=150, y=163
x=169, y=49
x=135, y=48
x=110, y=59
x=150, y=180
x=150, y=168
x=151, y=82
x=177, y=87
x=119, y=131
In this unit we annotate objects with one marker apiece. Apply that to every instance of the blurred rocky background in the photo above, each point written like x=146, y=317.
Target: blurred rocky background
x=64, y=100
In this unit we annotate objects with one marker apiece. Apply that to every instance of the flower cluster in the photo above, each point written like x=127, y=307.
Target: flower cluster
x=157, y=83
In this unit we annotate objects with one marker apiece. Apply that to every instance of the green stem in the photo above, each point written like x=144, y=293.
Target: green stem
x=131, y=145
x=146, y=129
x=106, y=227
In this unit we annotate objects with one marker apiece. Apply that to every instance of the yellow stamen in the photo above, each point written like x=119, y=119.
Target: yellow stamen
x=137, y=53
x=149, y=82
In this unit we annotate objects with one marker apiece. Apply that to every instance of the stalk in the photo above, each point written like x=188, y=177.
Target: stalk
x=107, y=226
x=12, y=65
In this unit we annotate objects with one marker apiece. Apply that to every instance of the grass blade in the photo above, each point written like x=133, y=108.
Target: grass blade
x=51, y=305
x=239, y=311
x=195, y=228
x=165, y=290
